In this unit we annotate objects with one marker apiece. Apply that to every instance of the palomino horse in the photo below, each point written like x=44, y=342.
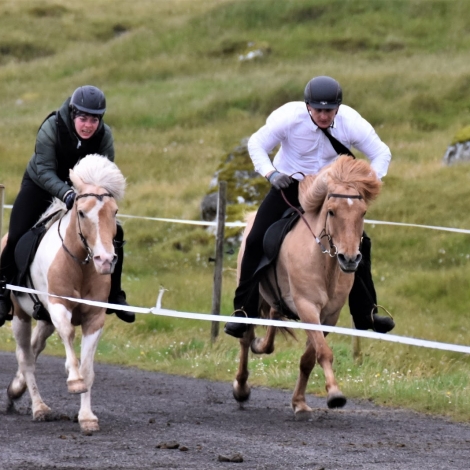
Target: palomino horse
x=314, y=280
x=74, y=259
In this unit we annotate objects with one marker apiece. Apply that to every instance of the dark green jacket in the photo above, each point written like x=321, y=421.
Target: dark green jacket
x=58, y=149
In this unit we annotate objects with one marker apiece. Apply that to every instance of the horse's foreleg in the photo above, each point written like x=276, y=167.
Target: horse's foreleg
x=25, y=376
x=307, y=362
x=87, y=419
x=61, y=318
x=335, y=398
x=241, y=389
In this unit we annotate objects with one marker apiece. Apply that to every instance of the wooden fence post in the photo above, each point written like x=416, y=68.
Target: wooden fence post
x=219, y=257
x=2, y=192
x=356, y=345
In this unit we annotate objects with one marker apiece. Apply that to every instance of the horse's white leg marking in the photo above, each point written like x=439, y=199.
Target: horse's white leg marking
x=61, y=318
x=26, y=369
x=87, y=419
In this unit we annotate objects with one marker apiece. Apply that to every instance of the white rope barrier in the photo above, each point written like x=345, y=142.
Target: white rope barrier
x=157, y=310
x=243, y=224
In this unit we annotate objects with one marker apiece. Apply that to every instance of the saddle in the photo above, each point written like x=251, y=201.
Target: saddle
x=272, y=242
x=25, y=251
x=275, y=235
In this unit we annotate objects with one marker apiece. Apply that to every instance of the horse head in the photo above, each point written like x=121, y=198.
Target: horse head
x=98, y=184
x=340, y=195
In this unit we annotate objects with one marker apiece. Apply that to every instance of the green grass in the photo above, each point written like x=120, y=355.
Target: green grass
x=179, y=99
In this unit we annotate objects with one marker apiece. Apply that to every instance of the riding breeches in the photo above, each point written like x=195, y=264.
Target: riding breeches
x=271, y=210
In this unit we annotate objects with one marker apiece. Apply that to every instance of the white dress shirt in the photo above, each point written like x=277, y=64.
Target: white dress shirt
x=304, y=147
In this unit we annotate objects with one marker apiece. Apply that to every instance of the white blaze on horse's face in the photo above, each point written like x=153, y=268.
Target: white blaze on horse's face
x=97, y=221
x=345, y=225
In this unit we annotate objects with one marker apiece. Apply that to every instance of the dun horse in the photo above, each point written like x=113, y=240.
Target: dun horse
x=314, y=272
x=74, y=259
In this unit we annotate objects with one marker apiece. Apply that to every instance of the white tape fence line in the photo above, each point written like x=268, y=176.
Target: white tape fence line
x=243, y=224
x=158, y=310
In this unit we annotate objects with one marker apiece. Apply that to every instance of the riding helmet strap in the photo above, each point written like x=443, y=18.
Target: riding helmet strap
x=340, y=148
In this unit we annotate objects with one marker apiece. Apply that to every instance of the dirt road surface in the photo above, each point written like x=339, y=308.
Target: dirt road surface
x=156, y=421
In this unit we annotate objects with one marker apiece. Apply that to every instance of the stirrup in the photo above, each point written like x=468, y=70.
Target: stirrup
x=372, y=313
x=234, y=313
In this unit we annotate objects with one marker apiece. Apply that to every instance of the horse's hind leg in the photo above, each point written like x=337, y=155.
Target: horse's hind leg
x=241, y=389
x=266, y=345
x=25, y=376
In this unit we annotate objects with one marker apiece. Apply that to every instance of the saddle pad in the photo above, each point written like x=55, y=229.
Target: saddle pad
x=274, y=236
x=25, y=250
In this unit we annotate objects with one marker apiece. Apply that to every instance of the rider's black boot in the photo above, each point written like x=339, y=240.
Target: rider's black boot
x=246, y=306
x=363, y=298
x=237, y=330
x=117, y=295
x=5, y=303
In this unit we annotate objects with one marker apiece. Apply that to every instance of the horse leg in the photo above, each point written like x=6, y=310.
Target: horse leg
x=61, y=318
x=302, y=411
x=266, y=345
x=241, y=389
x=87, y=419
x=335, y=398
x=25, y=376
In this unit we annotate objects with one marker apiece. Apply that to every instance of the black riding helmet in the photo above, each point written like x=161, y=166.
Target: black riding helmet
x=323, y=93
x=88, y=99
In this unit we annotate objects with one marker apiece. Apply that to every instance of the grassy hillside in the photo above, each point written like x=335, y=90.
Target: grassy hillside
x=180, y=98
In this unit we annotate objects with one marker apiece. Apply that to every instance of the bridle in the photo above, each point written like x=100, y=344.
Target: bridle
x=89, y=251
x=333, y=250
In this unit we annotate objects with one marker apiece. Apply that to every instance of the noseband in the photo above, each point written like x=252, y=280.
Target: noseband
x=332, y=251
x=89, y=251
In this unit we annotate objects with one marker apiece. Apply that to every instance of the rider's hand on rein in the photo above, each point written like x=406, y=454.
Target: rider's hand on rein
x=279, y=180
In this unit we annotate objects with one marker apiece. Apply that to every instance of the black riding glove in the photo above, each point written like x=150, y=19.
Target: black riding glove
x=279, y=180
x=69, y=199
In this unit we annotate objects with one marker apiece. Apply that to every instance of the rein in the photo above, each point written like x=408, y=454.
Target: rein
x=333, y=251
x=89, y=251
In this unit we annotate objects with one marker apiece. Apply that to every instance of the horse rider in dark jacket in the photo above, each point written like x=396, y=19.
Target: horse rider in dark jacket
x=77, y=129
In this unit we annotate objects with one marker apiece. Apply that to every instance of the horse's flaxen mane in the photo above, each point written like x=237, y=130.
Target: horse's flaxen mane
x=57, y=207
x=99, y=171
x=346, y=171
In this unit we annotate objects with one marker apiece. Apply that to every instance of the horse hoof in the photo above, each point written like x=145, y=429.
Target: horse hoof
x=41, y=413
x=241, y=394
x=89, y=426
x=76, y=386
x=336, y=400
x=16, y=389
x=303, y=415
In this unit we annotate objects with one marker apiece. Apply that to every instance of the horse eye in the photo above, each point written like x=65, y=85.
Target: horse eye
x=81, y=214
x=330, y=212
